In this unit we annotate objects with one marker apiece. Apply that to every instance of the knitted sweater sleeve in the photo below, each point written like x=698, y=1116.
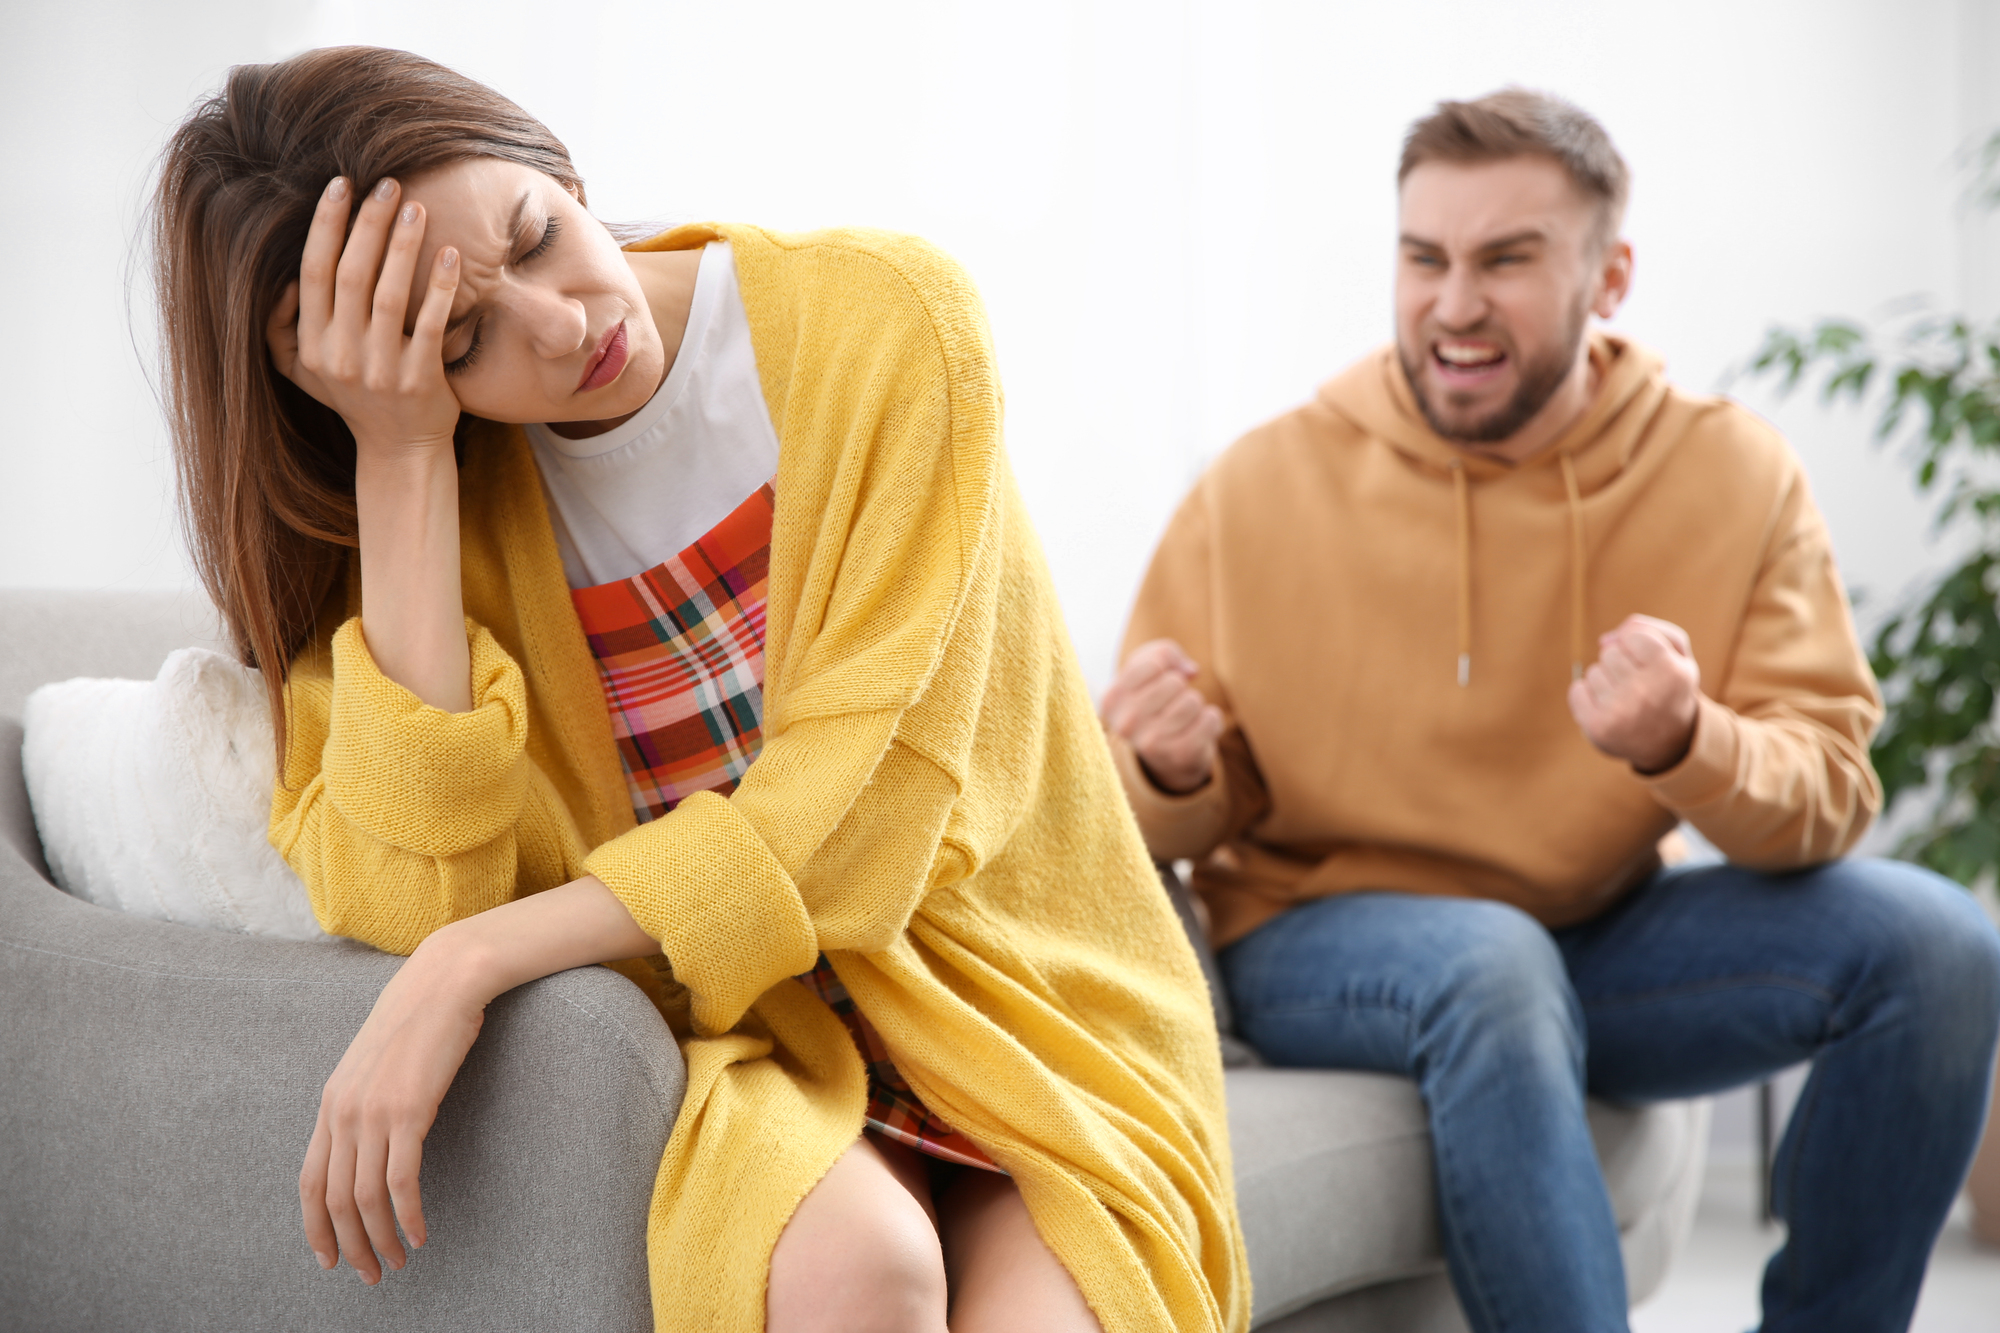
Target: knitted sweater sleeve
x=400, y=817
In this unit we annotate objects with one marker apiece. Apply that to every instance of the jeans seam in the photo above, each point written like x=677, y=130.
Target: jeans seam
x=1489, y=1319
x=1322, y=1006
x=1817, y=992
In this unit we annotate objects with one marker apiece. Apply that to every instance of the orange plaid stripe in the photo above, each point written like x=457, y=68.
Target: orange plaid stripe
x=680, y=651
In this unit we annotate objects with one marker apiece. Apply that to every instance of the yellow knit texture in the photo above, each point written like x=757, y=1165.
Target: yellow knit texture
x=934, y=807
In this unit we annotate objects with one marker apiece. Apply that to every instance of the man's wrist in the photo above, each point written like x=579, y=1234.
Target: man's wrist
x=1152, y=775
x=1673, y=757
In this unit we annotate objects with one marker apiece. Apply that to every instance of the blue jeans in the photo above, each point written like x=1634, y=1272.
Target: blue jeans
x=1885, y=976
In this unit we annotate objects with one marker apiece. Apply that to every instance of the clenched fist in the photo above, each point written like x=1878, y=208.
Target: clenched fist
x=1638, y=702
x=1164, y=719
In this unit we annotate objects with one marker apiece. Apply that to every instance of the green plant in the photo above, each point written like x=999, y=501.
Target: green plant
x=1938, y=653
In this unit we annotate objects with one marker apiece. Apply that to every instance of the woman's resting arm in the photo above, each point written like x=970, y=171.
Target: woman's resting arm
x=362, y=1166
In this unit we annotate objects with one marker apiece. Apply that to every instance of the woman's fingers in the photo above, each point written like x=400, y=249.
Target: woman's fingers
x=371, y=1196
x=405, y=1170
x=312, y=1198
x=392, y=288
x=346, y=1215
x=360, y=266
x=322, y=256
x=427, y=337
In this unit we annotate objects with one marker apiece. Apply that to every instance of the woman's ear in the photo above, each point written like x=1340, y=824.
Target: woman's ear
x=281, y=331
x=281, y=336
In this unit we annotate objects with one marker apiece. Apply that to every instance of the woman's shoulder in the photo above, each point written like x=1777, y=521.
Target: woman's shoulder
x=861, y=256
x=856, y=278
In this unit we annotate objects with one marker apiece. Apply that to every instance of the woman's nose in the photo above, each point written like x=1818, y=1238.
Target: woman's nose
x=558, y=324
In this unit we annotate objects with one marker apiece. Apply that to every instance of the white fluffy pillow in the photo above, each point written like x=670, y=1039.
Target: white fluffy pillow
x=153, y=797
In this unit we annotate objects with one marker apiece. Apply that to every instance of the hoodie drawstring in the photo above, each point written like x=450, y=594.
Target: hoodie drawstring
x=1464, y=506
x=1578, y=568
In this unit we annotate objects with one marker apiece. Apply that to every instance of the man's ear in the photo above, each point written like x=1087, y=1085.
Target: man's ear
x=1614, y=279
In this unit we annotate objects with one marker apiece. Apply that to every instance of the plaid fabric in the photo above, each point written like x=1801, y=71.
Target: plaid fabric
x=893, y=1109
x=680, y=650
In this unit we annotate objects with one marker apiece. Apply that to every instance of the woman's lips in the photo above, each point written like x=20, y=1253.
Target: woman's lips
x=606, y=361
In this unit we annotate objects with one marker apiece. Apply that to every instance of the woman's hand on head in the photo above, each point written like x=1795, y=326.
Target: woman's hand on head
x=361, y=1171
x=342, y=332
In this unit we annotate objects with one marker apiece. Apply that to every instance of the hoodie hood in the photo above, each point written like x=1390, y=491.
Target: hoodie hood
x=1374, y=394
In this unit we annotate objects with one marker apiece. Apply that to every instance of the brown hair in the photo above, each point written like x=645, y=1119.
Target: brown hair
x=1516, y=122
x=267, y=473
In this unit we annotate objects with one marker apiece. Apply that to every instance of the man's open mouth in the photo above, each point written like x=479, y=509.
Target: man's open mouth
x=1467, y=360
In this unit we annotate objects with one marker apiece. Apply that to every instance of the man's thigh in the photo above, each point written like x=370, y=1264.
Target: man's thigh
x=1709, y=977
x=1366, y=980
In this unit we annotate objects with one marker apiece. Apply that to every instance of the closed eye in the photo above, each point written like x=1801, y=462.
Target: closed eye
x=471, y=353
x=549, y=233
x=548, y=238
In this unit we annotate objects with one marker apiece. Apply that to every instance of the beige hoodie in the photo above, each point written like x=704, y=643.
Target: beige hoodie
x=1390, y=625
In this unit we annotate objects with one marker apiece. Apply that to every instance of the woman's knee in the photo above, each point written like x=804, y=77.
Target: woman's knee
x=860, y=1254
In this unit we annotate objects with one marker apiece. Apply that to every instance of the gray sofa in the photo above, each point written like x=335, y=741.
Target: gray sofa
x=158, y=1085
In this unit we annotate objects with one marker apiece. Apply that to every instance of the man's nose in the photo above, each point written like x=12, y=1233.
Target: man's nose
x=1460, y=302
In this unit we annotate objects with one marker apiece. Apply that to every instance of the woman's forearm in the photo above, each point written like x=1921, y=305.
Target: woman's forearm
x=574, y=925
x=412, y=610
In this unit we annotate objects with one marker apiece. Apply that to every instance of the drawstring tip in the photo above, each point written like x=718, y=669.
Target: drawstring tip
x=1464, y=670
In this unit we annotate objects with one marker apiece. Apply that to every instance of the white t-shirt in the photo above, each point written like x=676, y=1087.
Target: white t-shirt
x=624, y=501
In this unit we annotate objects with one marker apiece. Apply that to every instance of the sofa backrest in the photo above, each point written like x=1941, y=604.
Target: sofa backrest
x=56, y=633
x=49, y=634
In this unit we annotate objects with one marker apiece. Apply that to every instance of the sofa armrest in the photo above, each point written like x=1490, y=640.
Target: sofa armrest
x=17, y=820
x=158, y=1085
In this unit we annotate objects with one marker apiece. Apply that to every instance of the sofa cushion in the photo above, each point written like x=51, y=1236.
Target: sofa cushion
x=1335, y=1189
x=153, y=797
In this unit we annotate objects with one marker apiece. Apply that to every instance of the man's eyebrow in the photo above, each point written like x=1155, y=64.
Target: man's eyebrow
x=1530, y=236
x=513, y=234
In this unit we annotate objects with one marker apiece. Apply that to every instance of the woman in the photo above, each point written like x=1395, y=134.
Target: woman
x=673, y=608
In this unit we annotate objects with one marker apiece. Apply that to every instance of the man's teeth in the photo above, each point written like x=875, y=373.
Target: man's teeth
x=1468, y=356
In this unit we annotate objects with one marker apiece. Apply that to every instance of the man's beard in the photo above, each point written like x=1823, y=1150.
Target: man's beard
x=1539, y=382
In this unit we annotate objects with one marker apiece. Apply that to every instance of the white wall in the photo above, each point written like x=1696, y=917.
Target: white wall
x=1180, y=211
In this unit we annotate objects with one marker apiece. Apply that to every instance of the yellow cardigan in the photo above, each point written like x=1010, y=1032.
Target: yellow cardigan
x=934, y=807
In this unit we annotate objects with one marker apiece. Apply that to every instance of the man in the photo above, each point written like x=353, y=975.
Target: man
x=1424, y=672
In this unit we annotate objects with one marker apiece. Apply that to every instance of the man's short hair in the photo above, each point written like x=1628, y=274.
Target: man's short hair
x=1517, y=122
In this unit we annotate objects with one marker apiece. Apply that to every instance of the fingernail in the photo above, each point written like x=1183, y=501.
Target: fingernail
x=409, y=215
x=336, y=189
x=325, y=1259
x=385, y=189
x=448, y=257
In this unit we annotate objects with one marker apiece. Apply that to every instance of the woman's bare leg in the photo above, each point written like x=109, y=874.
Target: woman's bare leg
x=1003, y=1279
x=861, y=1254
